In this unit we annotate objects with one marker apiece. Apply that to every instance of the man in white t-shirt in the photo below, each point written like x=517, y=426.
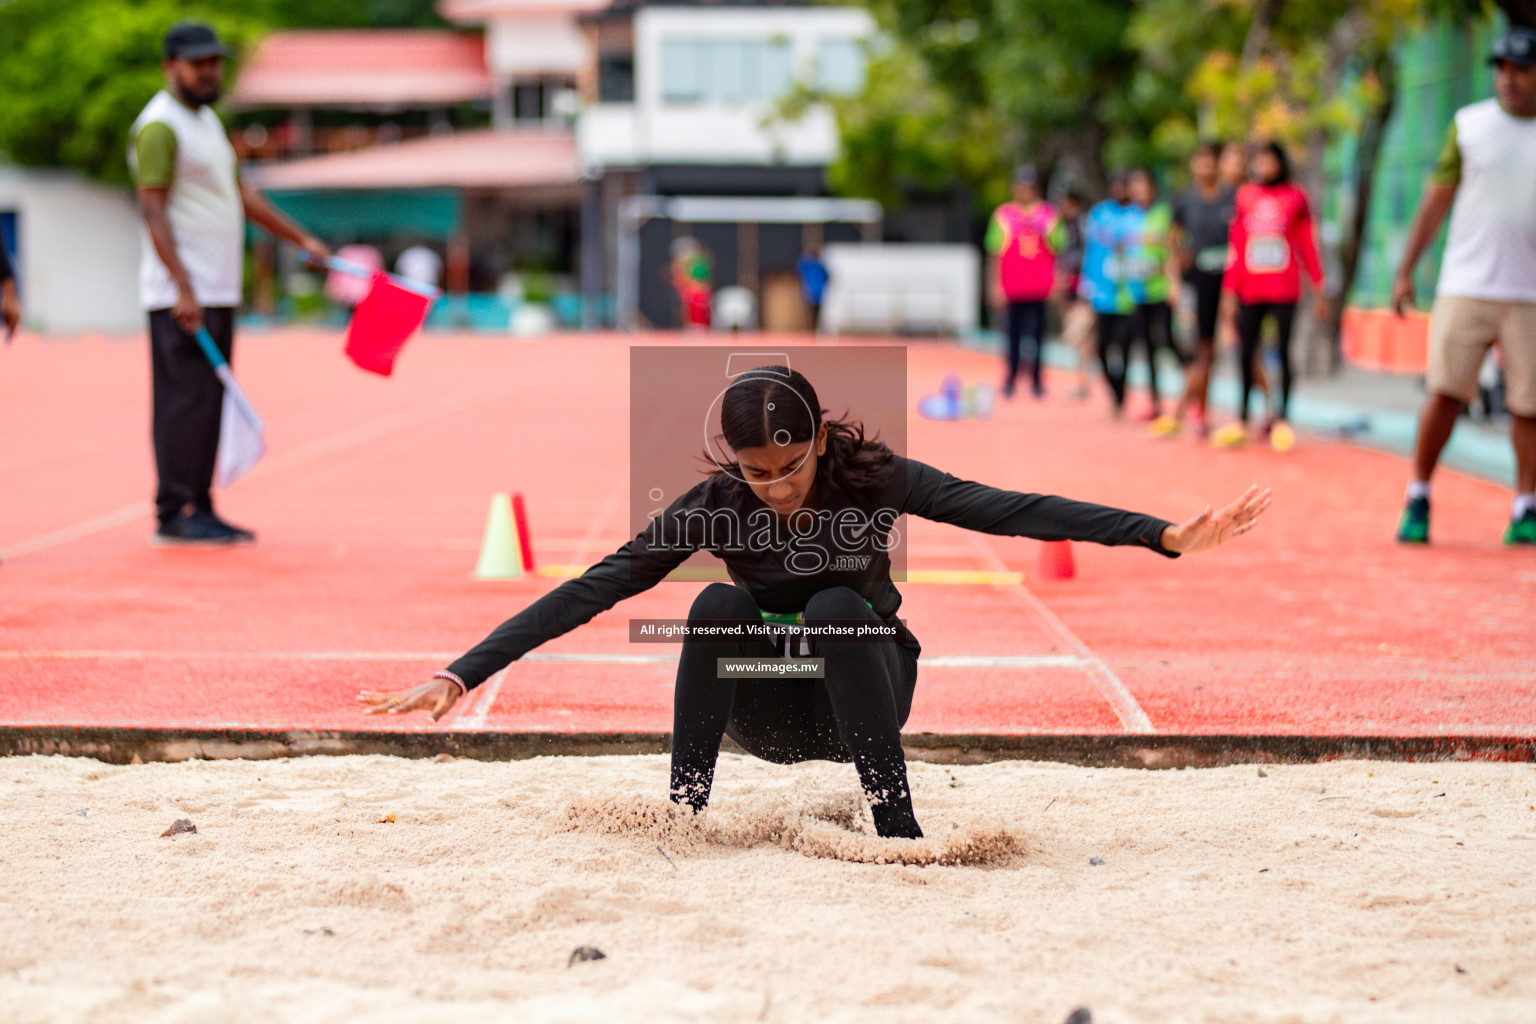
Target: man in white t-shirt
x=1487, y=287
x=195, y=208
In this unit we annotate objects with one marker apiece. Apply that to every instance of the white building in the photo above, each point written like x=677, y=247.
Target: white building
x=684, y=100
x=707, y=82
x=535, y=53
x=77, y=251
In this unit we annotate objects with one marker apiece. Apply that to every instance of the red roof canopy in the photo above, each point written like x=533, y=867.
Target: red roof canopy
x=381, y=68
x=481, y=159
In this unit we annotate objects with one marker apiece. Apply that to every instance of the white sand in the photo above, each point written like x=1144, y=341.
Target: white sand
x=1343, y=892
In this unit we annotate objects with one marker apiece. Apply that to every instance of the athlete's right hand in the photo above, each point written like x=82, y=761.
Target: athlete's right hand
x=187, y=313
x=1402, y=293
x=435, y=696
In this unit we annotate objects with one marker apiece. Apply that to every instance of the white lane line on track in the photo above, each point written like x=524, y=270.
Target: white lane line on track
x=484, y=696
x=1020, y=661
x=453, y=402
x=589, y=543
x=96, y=524
x=1130, y=713
x=456, y=401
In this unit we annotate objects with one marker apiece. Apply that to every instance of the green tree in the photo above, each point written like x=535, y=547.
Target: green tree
x=970, y=87
x=75, y=73
x=906, y=134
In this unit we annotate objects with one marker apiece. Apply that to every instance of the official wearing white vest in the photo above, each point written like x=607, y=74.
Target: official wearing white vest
x=195, y=207
x=1487, y=289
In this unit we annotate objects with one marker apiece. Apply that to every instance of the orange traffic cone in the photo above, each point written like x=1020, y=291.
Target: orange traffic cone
x=1055, y=561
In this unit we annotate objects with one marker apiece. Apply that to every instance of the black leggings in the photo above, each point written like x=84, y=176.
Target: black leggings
x=854, y=714
x=1114, y=337
x=1026, y=320
x=1154, y=329
x=1250, y=332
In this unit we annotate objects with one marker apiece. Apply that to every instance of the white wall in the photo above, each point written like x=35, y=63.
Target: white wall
x=652, y=130
x=884, y=288
x=534, y=44
x=79, y=248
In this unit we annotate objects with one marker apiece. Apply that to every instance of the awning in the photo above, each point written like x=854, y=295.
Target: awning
x=378, y=69
x=382, y=213
x=480, y=160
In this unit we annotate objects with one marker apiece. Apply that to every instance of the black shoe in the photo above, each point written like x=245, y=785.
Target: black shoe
x=196, y=529
x=242, y=535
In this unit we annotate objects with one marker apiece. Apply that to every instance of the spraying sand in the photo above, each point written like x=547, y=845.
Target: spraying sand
x=388, y=890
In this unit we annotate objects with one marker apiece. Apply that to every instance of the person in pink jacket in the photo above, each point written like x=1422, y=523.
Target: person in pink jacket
x=1272, y=241
x=1023, y=239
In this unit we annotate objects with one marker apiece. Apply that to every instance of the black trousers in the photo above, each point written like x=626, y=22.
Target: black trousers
x=1207, y=288
x=1153, y=328
x=188, y=404
x=1114, y=338
x=854, y=714
x=1250, y=333
x=1026, y=322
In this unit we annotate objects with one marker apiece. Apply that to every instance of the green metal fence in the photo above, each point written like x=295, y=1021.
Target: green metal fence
x=1440, y=69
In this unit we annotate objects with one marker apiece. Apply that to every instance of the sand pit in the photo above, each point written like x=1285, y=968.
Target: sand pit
x=1343, y=892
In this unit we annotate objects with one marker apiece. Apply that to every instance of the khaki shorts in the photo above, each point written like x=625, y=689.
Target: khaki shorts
x=1460, y=331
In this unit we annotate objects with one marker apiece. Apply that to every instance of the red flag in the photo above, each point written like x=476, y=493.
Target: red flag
x=383, y=322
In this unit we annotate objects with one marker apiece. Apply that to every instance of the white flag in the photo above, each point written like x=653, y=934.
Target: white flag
x=241, y=443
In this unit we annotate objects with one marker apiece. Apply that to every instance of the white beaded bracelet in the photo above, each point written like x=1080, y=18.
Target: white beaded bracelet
x=445, y=674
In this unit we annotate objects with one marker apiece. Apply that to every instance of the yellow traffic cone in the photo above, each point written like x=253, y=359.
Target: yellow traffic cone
x=500, y=552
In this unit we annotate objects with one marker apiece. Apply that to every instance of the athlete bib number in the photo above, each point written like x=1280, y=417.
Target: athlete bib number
x=1139, y=268
x=1267, y=253
x=1212, y=260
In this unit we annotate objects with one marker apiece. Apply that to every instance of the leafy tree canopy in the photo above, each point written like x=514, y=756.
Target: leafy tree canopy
x=75, y=73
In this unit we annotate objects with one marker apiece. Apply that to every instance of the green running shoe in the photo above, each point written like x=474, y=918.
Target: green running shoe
x=1522, y=530
x=1413, y=528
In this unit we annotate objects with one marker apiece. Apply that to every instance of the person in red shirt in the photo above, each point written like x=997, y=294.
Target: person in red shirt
x=1272, y=241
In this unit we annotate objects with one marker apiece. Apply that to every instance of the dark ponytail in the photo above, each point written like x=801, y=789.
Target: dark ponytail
x=774, y=405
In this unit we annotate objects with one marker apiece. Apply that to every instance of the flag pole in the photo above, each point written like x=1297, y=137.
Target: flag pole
x=227, y=378
x=342, y=266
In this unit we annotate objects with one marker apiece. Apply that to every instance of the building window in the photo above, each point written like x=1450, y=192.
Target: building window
x=616, y=79
x=724, y=72
x=840, y=66
x=528, y=101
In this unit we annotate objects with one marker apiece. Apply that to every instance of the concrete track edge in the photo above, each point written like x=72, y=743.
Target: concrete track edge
x=118, y=745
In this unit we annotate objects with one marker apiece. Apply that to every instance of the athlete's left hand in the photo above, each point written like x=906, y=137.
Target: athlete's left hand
x=1210, y=529
x=435, y=696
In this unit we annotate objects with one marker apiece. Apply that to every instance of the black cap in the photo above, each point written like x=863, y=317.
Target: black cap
x=1025, y=174
x=1518, y=46
x=194, y=42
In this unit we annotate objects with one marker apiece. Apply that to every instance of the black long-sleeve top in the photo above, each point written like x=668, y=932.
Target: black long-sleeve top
x=6, y=273
x=706, y=516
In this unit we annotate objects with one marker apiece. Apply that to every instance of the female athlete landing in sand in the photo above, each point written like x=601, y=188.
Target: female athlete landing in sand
x=802, y=518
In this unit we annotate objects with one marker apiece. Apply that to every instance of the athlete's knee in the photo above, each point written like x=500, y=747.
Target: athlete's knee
x=836, y=603
x=723, y=601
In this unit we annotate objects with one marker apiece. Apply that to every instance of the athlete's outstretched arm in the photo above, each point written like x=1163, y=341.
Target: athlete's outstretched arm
x=637, y=566
x=934, y=494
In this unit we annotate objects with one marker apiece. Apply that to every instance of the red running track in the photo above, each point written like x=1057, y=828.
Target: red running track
x=371, y=502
